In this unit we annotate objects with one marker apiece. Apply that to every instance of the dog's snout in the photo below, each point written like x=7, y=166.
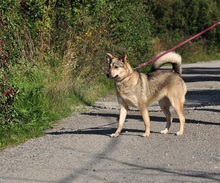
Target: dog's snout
x=108, y=75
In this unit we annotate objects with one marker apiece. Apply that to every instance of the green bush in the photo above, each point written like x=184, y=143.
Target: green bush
x=7, y=92
x=178, y=20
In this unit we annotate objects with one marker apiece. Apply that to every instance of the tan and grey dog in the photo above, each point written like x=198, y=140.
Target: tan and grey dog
x=140, y=90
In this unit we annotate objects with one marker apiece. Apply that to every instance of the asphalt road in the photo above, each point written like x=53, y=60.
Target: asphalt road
x=80, y=150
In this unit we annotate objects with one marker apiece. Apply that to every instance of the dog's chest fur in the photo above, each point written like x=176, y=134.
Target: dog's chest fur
x=131, y=91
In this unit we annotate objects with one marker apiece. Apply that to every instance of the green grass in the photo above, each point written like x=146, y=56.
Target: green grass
x=44, y=96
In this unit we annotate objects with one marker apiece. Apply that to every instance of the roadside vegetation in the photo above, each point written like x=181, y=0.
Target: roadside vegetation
x=52, y=52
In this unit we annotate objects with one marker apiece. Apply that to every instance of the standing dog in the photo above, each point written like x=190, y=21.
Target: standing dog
x=140, y=90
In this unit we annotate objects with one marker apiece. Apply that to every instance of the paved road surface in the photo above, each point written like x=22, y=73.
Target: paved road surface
x=79, y=149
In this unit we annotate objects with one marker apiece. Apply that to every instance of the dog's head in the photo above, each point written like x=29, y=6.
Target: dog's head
x=119, y=68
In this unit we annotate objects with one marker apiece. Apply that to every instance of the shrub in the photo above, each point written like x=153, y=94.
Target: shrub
x=8, y=115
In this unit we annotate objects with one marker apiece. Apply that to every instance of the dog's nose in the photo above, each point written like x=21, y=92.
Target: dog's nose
x=107, y=74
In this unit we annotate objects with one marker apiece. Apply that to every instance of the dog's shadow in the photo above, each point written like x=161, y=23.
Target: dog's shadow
x=97, y=131
x=106, y=130
x=86, y=131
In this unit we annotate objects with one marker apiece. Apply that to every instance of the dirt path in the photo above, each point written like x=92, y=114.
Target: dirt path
x=79, y=149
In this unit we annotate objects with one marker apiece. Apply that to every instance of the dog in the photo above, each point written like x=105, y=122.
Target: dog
x=140, y=90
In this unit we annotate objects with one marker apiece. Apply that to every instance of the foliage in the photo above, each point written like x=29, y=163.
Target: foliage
x=57, y=51
x=7, y=93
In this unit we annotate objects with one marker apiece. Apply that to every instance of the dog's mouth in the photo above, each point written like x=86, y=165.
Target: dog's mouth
x=110, y=76
x=115, y=77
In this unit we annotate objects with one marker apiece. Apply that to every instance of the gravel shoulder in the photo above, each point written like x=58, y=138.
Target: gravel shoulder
x=78, y=149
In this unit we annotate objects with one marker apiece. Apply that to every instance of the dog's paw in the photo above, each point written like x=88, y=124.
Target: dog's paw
x=145, y=135
x=165, y=131
x=179, y=133
x=114, y=135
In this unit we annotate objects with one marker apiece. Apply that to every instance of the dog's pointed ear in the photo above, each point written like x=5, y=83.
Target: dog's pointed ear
x=123, y=58
x=109, y=57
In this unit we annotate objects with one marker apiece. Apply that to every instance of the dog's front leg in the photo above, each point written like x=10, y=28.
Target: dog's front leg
x=145, y=115
x=122, y=116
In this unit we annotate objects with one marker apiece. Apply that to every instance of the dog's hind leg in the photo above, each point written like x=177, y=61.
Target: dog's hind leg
x=165, y=107
x=179, y=110
x=178, y=106
x=145, y=115
x=122, y=116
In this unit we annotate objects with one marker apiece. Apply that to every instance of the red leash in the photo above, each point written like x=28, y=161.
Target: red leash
x=177, y=46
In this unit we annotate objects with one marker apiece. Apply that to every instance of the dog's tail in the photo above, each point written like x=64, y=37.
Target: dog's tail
x=173, y=58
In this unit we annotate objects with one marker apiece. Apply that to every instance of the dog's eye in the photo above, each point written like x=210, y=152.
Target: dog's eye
x=116, y=67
